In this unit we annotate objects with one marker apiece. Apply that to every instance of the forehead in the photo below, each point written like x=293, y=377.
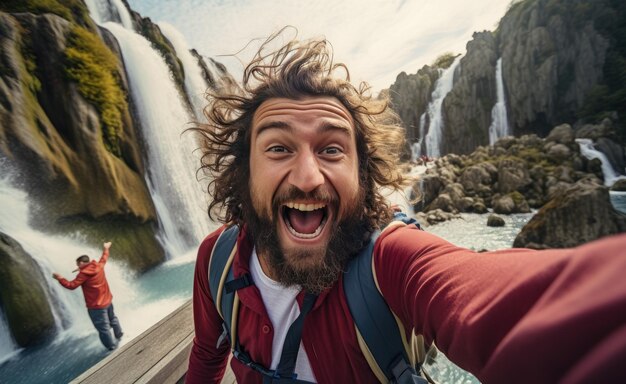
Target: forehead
x=324, y=108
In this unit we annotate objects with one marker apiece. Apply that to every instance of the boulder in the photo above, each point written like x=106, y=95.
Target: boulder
x=513, y=175
x=434, y=217
x=503, y=204
x=23, y=295
x=495, y=221
x=475, y=176
x=559, y=152
x=443, y=202
x=428, y=188
x=582, y=213
x=563, y=134
x=619, y=186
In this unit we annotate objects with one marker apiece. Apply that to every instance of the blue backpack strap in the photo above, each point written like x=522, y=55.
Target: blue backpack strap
x=221, y=272
x=377, y=329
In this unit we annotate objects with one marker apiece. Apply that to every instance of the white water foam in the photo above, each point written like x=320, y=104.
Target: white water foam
x=499, y=120
x=435, y=127
x=588, y=150
x=195, y=84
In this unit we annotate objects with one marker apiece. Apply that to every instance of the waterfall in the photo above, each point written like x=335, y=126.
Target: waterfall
x=162, y=115
x=8, y=347
x=102, y=11
x=52, y=254
x=195, y=84
x=588, y=150
x=442, y=87
x=499, y=120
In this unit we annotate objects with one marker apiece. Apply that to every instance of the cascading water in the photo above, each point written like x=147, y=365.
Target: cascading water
x=195, y=84
x=51, y=254
x=416, y=147
x=588, y=150
x=175, y=191
x=442, y=87
x=112, y=10
x=499, y=120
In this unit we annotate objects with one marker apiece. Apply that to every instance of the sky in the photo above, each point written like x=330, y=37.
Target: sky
x=376, y=39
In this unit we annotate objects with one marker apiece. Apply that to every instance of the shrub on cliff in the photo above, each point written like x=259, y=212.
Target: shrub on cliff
x=93, y=67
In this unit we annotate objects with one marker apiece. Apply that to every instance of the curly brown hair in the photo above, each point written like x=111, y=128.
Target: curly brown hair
x=297, y=69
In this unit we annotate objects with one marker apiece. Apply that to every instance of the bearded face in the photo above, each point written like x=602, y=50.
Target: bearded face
x=307, y=205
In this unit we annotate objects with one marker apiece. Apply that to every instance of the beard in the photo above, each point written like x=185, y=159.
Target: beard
x=314, y=268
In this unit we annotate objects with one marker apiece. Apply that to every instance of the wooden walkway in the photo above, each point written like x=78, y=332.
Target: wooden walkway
x=159, y=355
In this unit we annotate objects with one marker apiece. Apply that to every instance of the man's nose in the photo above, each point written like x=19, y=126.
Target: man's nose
x=306, y=174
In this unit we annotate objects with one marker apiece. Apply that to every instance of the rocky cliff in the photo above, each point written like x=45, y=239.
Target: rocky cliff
x=562, y=62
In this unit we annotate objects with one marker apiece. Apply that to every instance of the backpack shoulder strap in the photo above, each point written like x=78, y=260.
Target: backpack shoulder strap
x=381, y=338
x=220, y=272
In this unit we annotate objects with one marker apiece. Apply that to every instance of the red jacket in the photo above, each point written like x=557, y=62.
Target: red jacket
x=94, y=283
x=507, y=316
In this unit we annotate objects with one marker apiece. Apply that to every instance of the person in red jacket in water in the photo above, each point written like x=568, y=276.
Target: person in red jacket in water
x=92, y=279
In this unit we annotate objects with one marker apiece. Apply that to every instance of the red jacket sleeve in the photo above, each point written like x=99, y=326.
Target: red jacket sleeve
x=514, y=315
x=207, y=363
x=77, y=282
x=105, y=256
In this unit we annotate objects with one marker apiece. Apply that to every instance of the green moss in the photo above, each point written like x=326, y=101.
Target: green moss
x=91, y=64
x=517, y=197
x=444, y=61
x=72, y=10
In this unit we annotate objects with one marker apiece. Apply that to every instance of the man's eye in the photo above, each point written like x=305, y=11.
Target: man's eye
x=277, y=149
x=331, y=151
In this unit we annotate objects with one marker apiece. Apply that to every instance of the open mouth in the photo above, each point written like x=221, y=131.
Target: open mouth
x=305, y=220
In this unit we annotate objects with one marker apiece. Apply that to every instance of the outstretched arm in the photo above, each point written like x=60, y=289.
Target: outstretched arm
x=77, y=282
x=105, y=253
x=514, y=315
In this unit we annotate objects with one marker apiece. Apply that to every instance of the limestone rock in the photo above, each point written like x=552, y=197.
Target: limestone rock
x=467, y=108
x=620, y=186
x=563, y=134
x=580, y=214
x=495, y=221
x=512, y=175
x=410, y=95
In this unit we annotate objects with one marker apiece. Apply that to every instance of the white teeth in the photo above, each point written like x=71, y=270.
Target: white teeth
x=304, y=207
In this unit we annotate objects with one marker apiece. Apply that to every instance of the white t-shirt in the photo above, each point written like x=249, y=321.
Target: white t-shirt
x=282, y=308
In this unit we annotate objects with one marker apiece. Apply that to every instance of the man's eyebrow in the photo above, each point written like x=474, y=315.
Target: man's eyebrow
x=273, y=124
x=323, y=128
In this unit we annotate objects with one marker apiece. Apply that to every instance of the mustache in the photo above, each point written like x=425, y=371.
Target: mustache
x=293, y=193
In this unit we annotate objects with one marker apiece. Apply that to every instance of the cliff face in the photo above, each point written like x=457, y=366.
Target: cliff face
x=410, y=95
x=467, y=108
x=76, y=153
x=552, y=56
x=562, y=61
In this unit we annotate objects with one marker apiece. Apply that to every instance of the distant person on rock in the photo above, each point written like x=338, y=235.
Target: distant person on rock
x=92, y=279
x=298, y=157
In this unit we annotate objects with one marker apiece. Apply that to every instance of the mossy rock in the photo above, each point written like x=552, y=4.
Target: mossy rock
x=92, y=65
x=620, y=186
x=22, y=295
x=72, y=10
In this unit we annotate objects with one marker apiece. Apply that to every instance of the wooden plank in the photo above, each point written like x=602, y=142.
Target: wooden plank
x=166, y=343
x=158, y=356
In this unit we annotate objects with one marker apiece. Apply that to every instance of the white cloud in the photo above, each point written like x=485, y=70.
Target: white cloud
x=377, y=39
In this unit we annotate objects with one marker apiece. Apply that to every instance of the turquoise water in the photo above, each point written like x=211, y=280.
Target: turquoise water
x=618, y=199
